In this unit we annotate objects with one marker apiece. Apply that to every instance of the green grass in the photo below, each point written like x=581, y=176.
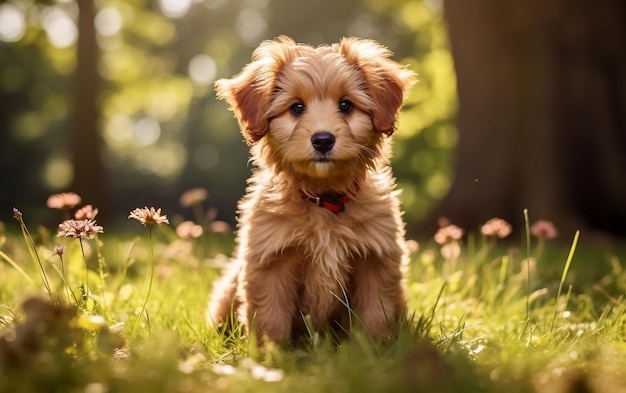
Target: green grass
x=499, y=318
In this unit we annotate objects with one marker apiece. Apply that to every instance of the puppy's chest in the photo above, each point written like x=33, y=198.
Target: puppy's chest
x=313, y=236
x=330, y=244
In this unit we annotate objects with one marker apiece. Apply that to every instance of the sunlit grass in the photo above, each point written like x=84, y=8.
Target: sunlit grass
x=483, y=316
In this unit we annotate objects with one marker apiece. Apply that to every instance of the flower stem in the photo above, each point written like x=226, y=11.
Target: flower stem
x=82, y=250
x=68, y=289
x=145, y=302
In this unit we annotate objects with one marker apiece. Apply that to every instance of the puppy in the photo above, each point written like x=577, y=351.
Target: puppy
x=320, y=232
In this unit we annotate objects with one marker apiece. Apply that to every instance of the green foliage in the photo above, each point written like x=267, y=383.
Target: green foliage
x=426, y=134
x=163, y=130
x=483, y=317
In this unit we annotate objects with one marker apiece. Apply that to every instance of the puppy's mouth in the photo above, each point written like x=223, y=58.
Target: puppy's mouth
x=318, y=166
x=323, y=159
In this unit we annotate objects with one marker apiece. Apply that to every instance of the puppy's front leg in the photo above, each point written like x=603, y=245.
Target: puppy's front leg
x=377, y=294
x=271, y=292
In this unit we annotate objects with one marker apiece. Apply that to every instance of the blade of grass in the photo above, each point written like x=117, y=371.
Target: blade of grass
x=527, y=228
x=563, y=276
x=527, y=318
x=16, y=267
x=32, y=249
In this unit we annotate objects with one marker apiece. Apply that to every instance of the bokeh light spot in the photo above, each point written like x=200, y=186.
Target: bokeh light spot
x=12, y=23
x=58, y=173
x=108, y=22
x=118, y=130
x=146, y=131
x=29, y=126
x=164, y=161
x=62, y=31
x=175, y=8
x=438, y=185
x=435, y=5
x=202, y=69
x=250, y=25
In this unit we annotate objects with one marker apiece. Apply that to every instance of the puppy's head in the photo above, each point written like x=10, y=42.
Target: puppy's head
x=318, y=113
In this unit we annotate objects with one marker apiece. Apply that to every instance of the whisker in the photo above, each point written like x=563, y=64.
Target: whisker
x=367, y=156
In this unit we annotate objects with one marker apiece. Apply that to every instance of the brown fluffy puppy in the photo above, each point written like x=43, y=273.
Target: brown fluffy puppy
x=320, y=230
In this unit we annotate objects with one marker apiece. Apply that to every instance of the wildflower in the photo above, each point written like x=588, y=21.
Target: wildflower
x=149, y=216
x=17, y=214
x=188, y=229
x=59, y=250
x=451, y=250
x=86, y=212
x=496, y=227
x=65, y=200
x=412, y=246
x=544, y=229
x=193, y=197
x=448, y=233
x=219, y=227
x=79, y=229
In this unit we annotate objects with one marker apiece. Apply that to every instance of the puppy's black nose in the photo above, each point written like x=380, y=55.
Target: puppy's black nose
x=323, y=141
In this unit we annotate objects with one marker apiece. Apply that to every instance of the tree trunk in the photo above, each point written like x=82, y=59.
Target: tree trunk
x=542, y=106
x=85, y=142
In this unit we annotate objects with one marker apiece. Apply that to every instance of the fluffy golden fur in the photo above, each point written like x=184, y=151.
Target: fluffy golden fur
x=318, y=121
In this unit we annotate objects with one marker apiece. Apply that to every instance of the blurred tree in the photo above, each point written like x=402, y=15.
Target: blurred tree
x=84, y=134
x=542, y=112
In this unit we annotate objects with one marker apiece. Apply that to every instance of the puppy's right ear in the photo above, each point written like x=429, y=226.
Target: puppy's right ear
x=248, y=99
x=249, y=93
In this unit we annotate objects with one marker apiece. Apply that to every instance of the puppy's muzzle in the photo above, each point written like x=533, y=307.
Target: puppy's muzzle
x=323, y=141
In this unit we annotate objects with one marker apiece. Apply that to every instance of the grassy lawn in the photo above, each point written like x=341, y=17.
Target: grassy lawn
x=484, y=315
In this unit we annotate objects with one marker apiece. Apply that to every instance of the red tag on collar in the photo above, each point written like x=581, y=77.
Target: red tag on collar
x=333, y=202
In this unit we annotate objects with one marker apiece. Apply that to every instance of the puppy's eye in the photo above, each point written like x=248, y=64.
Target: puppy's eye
x=297, y=108
x=345, y=106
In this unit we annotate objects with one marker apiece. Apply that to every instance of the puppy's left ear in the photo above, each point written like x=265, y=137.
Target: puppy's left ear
x=387, y=81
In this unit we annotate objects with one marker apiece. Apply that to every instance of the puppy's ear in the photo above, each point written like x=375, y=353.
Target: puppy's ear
x=249, y=93
x=387, y=81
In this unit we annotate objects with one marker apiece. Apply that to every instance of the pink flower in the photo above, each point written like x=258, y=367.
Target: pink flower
x=188, y=229
x=17, y=214
x=193, y=196
x=496, y=227
x=451, y=250
x=65, y=200
x=149, y=216
x=448, y=233
x=86, y=212
x=219, y=227
x=412, y=245
x=544, y=229
x=79, y=229
x=59, y=250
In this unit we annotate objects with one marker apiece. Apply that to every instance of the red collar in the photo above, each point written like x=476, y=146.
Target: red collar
x=335, y=202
